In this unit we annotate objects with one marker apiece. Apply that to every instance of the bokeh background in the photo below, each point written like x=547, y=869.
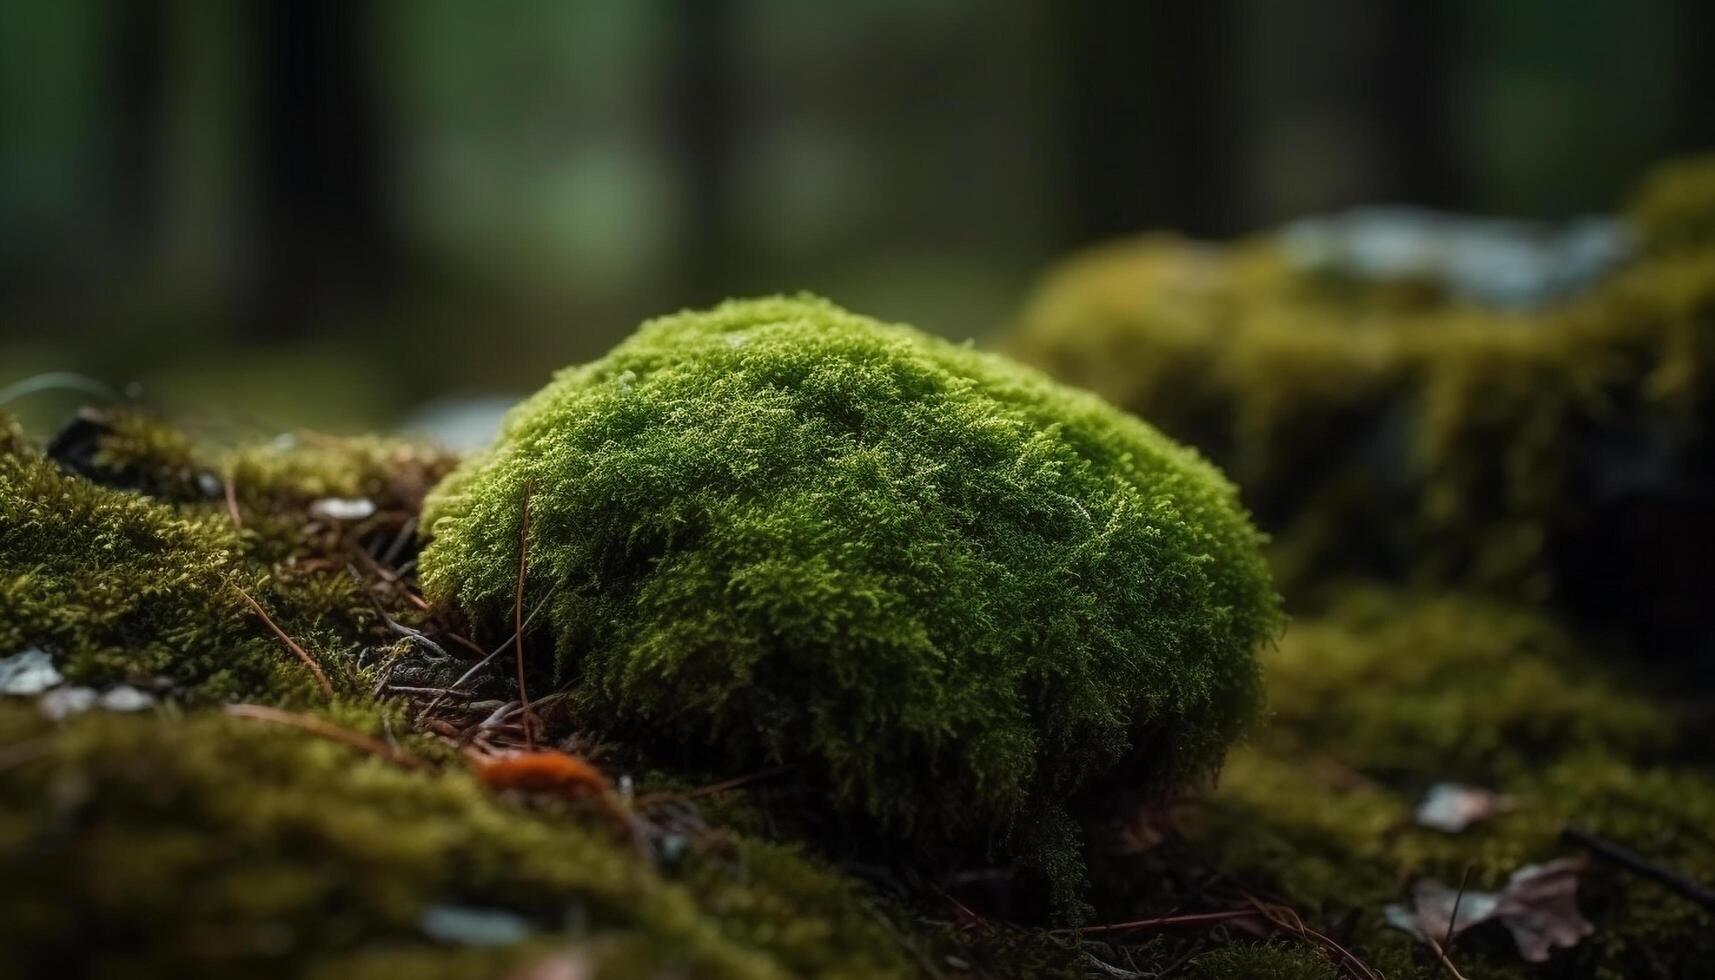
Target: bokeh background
x=331, y=213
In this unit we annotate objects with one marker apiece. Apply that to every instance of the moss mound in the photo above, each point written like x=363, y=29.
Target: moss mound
x=1383, y=427
x=184, y=840
x=217, y=846
x=955, y=594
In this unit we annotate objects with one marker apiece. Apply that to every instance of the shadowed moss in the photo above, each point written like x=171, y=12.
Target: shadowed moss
x=1387, y=695
x=1450, y=688
x=1264, y=963
x=211, y=845
x=955, y=594
x=1378, y=430
x=1675, y=206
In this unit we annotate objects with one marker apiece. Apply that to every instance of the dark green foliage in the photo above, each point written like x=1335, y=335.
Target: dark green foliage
x=956, y=594
x=215, y=846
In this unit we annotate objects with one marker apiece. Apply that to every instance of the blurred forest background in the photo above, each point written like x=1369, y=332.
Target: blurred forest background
x=326, y=212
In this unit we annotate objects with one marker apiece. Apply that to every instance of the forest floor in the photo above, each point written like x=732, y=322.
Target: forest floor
x=235, y=740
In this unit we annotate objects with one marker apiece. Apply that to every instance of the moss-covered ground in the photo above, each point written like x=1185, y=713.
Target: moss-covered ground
x=310, y=790
x=1389, y=427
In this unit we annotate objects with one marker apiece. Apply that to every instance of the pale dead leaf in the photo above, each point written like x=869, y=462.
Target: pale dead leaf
x=567, y=965
x=1452, y=807
x=1539, y=906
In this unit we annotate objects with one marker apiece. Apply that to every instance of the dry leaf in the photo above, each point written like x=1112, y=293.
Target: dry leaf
x=1452, y=807
x=1539, y=906
x=569, y=965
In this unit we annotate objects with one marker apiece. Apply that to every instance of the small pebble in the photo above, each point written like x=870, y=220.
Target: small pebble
x=28, y=672
x=126, y=698
x=343, y=508
x=468, y=926
x=64, y=702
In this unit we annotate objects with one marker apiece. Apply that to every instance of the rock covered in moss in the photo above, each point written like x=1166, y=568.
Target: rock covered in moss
x=1379, y=427
x=956, y=595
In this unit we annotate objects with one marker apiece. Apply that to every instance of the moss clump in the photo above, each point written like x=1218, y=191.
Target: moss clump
x=1388, y=694
x=1378, y=430
x=216, y=846
x=955, y=594
x=1249, y=962
x=120, y=564
x=1675, y=206
x=1449, y=688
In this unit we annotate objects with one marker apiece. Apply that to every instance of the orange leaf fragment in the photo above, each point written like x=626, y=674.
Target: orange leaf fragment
x=546, y=772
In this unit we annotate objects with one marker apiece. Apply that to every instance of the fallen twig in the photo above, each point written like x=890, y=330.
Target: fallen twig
x=1446, y=961
x=400, y=540
x=231, y=491
x=1165, y=922
x=713, y=788
x=1639, y=865
x=518, y=608
x=302, y=654
x=488, y=658
x=330, y=731
x=451, y=692
x=1287, y=920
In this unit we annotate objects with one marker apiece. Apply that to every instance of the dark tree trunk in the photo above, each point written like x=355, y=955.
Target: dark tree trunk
x=323, y=220
x=701, y=113
x=139, y=75
x=1149, y=104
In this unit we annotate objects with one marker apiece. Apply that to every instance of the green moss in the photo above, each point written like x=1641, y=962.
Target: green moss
x=1675, y=206
x=1376, y=431
x=127, y=586
x=1387, y=695
x=210, y=845
x=1448, y=687
x=955, y=594
x=1264, y=963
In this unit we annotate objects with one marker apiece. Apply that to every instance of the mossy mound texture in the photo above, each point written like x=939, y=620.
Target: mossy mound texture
x=149, y=588
x=217, y=846
x=850, y=645
x=956, y=595
x=1390, y=692
x=1385, y=427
